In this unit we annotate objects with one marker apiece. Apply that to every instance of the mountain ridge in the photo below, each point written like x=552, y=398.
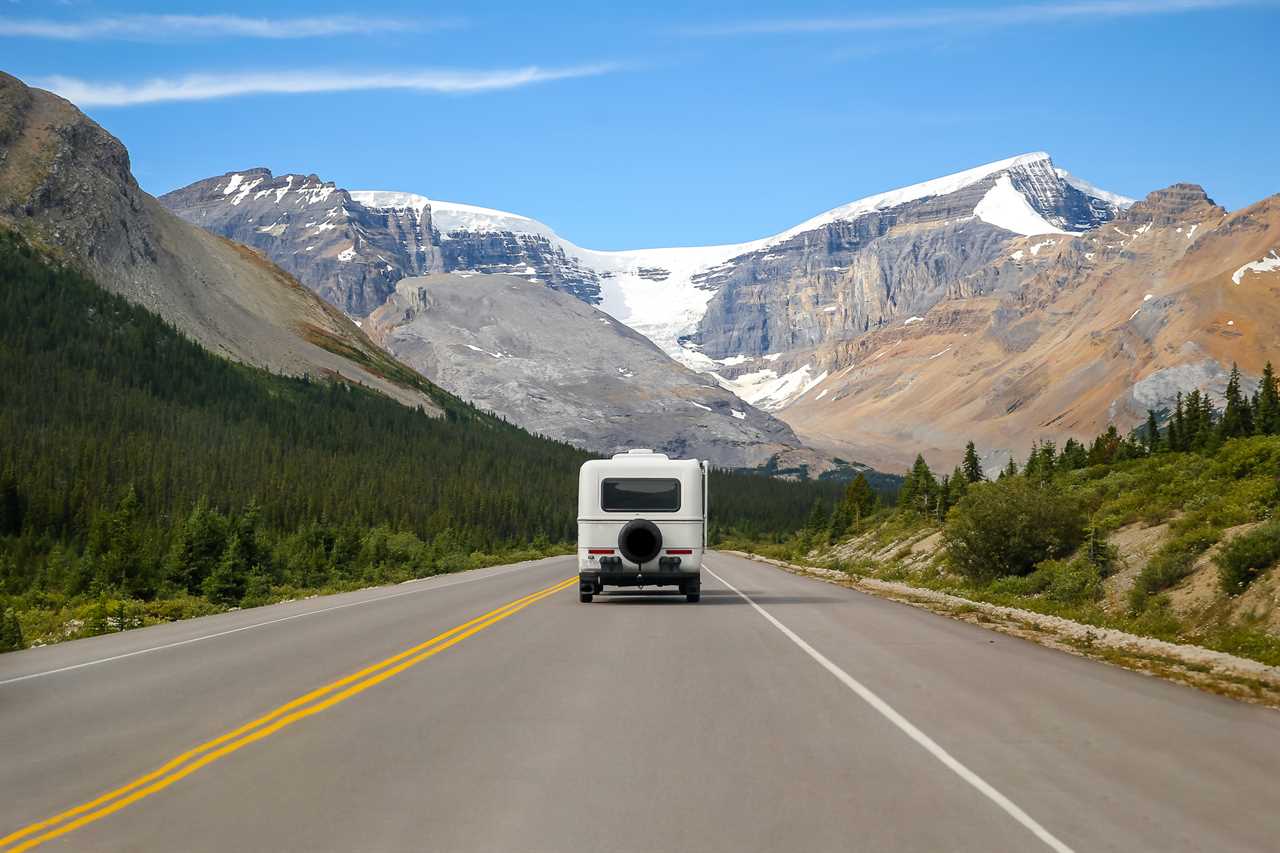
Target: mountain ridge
x=665, y=292
x=66, y=184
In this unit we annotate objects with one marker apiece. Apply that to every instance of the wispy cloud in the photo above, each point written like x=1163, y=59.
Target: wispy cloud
x=204, y=87
x=989, y=16
x=163, y=28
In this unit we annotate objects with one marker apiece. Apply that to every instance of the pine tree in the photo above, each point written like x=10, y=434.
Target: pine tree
x=197, y=548
x=958, y=485
x=1267, y=419
x=1074, y=456
x=225, y=585
x=919, y=489
x=1178, y=427
x=971, y=465
x=859, y=499
x=1152, y=433
x=1237, y=416
x=1010, y=470
x=943, y=502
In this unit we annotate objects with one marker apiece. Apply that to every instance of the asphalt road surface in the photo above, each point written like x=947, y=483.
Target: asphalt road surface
x=490, y=711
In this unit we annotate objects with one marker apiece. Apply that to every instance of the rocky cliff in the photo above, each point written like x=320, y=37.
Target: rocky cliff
x=561, y=368
x=1060, y=336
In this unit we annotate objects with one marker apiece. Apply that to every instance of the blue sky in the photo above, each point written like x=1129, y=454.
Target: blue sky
x=669, y=123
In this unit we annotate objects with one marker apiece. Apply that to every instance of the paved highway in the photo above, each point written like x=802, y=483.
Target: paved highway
x=490, y=711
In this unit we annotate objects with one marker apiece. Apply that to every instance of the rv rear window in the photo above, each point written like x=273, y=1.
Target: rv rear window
x=640, y=494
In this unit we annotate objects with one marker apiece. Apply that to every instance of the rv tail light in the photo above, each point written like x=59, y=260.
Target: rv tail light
x=679, y=550
x=599, y=550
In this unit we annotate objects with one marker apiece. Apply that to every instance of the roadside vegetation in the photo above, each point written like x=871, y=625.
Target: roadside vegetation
x=143, y=479
x=1170, y=532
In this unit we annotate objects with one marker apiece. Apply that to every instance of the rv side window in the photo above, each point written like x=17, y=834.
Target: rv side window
x=636, y=494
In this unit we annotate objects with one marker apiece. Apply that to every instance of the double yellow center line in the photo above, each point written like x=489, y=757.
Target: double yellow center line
x=286, y=715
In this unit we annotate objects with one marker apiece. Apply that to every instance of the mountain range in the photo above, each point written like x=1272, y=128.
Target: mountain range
x=1007, y=304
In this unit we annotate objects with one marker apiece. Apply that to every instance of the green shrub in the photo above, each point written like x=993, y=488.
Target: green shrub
x=1007, y=527
x=1171, y=564
x=1075, y=581
x=1247, y=556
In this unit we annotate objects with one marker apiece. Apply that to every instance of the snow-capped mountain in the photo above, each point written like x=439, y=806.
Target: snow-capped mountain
x=729, y=309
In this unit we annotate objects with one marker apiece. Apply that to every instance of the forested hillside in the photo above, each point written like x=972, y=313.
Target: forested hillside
x=143, y=478
x=1172, y=531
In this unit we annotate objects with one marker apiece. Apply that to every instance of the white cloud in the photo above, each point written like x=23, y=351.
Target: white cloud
x=189, y=27
x=991, y=16
x=203, y=87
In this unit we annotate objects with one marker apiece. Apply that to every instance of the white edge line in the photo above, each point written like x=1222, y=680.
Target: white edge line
x=907, y=727
x=203, y=637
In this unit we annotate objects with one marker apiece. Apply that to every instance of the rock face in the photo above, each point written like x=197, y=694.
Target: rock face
x=837, y=276
x=559, y=367
x=349, y=254
x=857, y=269
x=65, y=183
x=1057, y=338
x=352, y=247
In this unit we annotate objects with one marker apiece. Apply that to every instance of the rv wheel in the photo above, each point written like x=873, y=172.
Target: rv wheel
x=693, y=597
x=584, y=597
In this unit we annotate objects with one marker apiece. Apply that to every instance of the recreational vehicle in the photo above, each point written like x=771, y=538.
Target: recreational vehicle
x=642, y=521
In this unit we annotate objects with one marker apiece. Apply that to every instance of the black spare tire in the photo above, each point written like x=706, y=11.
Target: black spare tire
x=640, y=540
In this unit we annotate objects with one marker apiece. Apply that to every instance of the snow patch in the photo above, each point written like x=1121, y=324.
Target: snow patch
x=765, y=389
x=740, y=415
x=485, y=351
x=910, y=321
x=1004, y=207
x=1268, y=264
x=347, y=254
x=734, y=360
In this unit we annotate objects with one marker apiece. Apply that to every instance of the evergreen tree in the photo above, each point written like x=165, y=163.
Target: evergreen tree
x=1267, y=418
x=197, y=548
x=1010, y=470
x=1237, y=415
x=817, y=517
x=957, y=485
x=1152, y=432
x=971, y=465
x=226, y=583
x=1106, y=447
x=919, y=489
x=859, y=498
x=1178, y=427
x=1074, y=456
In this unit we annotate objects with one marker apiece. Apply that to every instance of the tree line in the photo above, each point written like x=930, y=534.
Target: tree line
x=137, y=466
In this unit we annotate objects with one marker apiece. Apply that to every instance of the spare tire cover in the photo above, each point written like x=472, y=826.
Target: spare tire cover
x=640, y=540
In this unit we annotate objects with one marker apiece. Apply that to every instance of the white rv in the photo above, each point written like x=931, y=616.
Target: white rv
x=642, y=521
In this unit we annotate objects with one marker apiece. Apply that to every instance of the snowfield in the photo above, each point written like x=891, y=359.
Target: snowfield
x=668, y=306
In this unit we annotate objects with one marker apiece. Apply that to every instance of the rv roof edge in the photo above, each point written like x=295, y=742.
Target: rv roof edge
x=642, y=451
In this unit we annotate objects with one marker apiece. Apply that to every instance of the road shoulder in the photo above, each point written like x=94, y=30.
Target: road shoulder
x=1206, y=669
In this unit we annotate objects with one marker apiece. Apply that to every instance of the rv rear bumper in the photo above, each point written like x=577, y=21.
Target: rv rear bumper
x=594, y=581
